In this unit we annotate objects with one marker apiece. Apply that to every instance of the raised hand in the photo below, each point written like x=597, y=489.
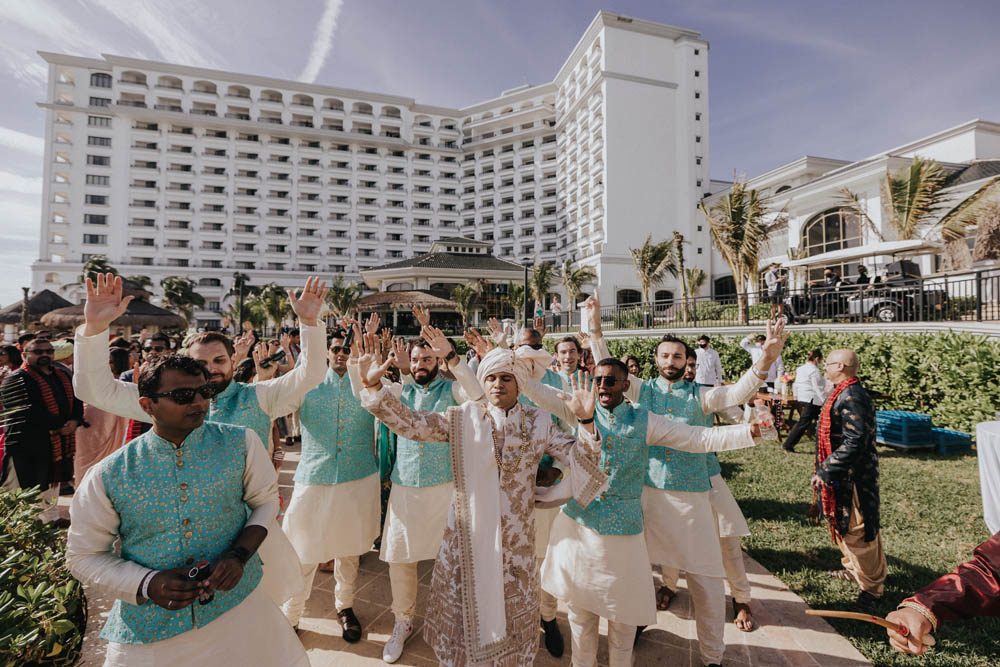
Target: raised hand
x=497, y=333
x=437, y=340
x=259, y=354
x=538, y=324
x=775, y=341
x=401, y=355
x=310, y=304
x=481, y=345
x=372, y=323
x=368, y=363
x=285, y=341
x=241, y=345
x=385, y=338
x=422, y=315
x=592, y=313
x=105, y=303
x=582, y=396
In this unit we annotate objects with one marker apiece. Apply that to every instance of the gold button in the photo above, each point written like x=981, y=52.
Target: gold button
x=420, y=454
x=338, y=450
x=187, y=535
x=184, y=497
x=180, y=463
x=184, y=486
x=178, y=453
x=186, y=522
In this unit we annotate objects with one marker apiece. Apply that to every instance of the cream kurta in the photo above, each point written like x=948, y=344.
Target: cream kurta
x=453, y=629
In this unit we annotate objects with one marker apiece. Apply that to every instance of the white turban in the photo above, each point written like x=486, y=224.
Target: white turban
x=524, y=364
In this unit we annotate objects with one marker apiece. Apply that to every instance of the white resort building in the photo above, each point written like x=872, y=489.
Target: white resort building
x=171, y=170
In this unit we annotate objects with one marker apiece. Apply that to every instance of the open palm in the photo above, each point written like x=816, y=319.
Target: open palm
x=105, y=303
x=582, y=399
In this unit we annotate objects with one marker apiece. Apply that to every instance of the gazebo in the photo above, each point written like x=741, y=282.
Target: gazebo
x=395, y=307
x=40, y=303
x=139, y=314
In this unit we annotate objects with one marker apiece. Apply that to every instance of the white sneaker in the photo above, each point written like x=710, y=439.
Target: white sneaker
x=394, y=647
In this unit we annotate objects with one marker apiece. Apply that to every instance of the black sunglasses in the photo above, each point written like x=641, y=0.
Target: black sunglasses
x=154, y=348
x=186, y=395
x=533, y=346
x=605, y=380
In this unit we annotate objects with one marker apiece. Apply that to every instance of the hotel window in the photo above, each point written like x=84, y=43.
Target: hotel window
x=95, y=199
x=697, y=159
x=697, y=73
x=92, y=219
x=697, y=115
x=100, y=101
x=95, y=239
x=98, y=141
x=100, y=80
x=697, y=139
x=93, y=179
x=697, y=94
x=99, y=160
x=98, y=121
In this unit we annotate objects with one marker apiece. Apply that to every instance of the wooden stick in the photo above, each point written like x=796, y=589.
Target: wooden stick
x=857, y=616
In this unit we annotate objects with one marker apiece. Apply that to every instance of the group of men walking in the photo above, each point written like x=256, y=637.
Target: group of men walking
x=525, y=485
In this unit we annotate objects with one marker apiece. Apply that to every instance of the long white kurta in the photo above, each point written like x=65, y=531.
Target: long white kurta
x=325, y=521
x=252, y=633
x=416, y=517
x=94, y=384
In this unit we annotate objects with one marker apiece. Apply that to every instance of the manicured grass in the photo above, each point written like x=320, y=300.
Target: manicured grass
x=932, y=518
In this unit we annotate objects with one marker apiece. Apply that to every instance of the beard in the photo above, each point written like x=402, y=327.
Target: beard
x=671, y=373
x=425, y=376
x=220, y=383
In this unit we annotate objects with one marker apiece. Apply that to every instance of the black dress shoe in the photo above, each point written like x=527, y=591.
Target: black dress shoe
x=638, y=631
x=350, y=624
x=553, y=638
x=866, y=602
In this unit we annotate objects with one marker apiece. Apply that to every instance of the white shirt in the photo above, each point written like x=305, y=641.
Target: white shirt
x=810, y=385
x=556, y=307
x=709, y=368
x=756, y=352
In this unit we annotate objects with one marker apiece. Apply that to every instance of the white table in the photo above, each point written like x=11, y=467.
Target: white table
x=988, y=448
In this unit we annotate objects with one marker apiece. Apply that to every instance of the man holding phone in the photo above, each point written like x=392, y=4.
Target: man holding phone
x=175, y=496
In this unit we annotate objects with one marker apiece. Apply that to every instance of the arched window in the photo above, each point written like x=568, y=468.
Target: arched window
x=625, y=297
x=241, y=92
x=100, y=80
x=782, y=189
x=399, y=287
x=663, y=296
x=724, y=287
x=362, y=108
x=171, y=82
x=333, y=104
x=833, y=229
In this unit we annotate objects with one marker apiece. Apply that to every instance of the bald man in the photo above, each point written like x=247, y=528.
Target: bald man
x=847, y=478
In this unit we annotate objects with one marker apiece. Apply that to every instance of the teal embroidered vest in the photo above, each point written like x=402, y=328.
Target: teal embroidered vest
x=177, y=506
x=337, y=434
x=238, y=405
x=422, y=464
x=668, y=468
x=554, y=380
x=624, y=456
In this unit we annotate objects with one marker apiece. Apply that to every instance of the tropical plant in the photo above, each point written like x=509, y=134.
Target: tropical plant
x=682, y=272
x=465, y=297
x=273, y=300
x=179, y=294
x=574, y=278
x=982, y=210
x=95, y=265
x=911, y=197
x=142, y=282
x=653, y=263
x=43, y=611
x=514, y=298
x=739, y=226
x=253, y=312
x=343, y=297
x=540, y=282
x=695, y=279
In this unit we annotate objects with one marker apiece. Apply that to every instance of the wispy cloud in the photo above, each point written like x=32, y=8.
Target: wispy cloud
x=165, y=28
x=323, y=41
x=21, y=184
x=21, y=217
x=21, y=141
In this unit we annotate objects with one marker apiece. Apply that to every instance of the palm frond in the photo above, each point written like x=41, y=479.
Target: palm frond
x=913, y=196
x=852, y=202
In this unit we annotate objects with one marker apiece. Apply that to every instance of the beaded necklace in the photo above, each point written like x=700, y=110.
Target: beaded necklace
x=498, y=447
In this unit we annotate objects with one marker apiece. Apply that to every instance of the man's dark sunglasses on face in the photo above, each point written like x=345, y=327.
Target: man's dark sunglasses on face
x=605, y=380
x=186, y=395
x=155, y=348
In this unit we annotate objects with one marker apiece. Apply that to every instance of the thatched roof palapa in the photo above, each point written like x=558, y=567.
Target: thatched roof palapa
x=39, y=304
x=139, y=314
x=403, y=300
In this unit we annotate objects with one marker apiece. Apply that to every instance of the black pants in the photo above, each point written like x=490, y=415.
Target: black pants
x=808, y=414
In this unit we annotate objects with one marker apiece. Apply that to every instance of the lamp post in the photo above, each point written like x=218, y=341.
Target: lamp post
x=24, y=310
x=527, y=310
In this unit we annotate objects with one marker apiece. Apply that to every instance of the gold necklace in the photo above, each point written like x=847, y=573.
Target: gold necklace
x=498, y=447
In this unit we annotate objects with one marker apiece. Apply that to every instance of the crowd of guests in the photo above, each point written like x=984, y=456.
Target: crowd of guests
x=528, y=478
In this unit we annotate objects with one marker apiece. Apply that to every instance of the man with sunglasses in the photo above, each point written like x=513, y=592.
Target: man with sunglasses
x=688, y=510
x=422, y=480
x=42, y=415
x=184, y=492
x=158, y=343
x=251, y=406
x=597, y=559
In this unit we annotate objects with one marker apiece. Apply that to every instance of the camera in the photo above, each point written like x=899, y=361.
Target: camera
x=277, y=356
x=201, y=571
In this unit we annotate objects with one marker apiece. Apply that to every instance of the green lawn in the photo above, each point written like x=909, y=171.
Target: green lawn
x=932, y=518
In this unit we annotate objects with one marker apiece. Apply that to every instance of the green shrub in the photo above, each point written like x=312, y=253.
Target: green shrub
x=43, y=612
x=953, y=377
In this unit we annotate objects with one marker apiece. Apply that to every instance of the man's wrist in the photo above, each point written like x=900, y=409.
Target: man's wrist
x=588, y=420
x=242, y=554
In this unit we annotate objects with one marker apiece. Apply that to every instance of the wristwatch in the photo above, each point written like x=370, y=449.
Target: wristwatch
x=240, y=553
x=451, y=355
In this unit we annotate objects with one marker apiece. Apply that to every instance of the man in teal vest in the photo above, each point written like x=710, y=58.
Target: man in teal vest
x=597, y=559
x=184, y=493
x=422, y=476
x=684, y=493
x=251, y=406
x=334, y=510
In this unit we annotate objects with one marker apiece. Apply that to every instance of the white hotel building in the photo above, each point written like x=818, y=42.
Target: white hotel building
x=174, y=170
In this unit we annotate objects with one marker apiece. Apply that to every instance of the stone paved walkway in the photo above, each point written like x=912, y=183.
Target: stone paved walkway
x=786, y=636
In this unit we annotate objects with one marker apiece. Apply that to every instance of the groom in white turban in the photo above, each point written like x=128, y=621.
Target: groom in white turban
x=484, y=587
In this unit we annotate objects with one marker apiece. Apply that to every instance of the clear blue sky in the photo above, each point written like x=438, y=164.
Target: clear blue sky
x=842, y=80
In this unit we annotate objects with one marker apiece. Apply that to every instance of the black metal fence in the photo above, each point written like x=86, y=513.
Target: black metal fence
x=965, y=297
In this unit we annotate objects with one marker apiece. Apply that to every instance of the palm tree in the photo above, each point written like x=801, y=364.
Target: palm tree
x=142, y=282
x=514, y=297
x=274, y=301
x=696, y=279
x=465, y=297
x=541, y=279
x=653, y=263
x=253, y=312
x=179, y=295
x=982, y=210
x=343, y=298
x=574, y=279
x=682, y=272
x=910, y=198
x=739, y=226
x=95, y=265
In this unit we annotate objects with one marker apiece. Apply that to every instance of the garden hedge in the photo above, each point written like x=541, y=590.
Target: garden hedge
x=953, y=377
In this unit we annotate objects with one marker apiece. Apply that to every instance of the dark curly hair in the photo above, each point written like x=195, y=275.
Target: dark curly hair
x=149, y=376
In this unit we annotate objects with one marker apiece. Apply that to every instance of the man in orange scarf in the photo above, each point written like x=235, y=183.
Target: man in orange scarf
x=846, y=478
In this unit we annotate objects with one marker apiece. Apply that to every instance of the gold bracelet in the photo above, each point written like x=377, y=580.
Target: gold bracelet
x=922, y=610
